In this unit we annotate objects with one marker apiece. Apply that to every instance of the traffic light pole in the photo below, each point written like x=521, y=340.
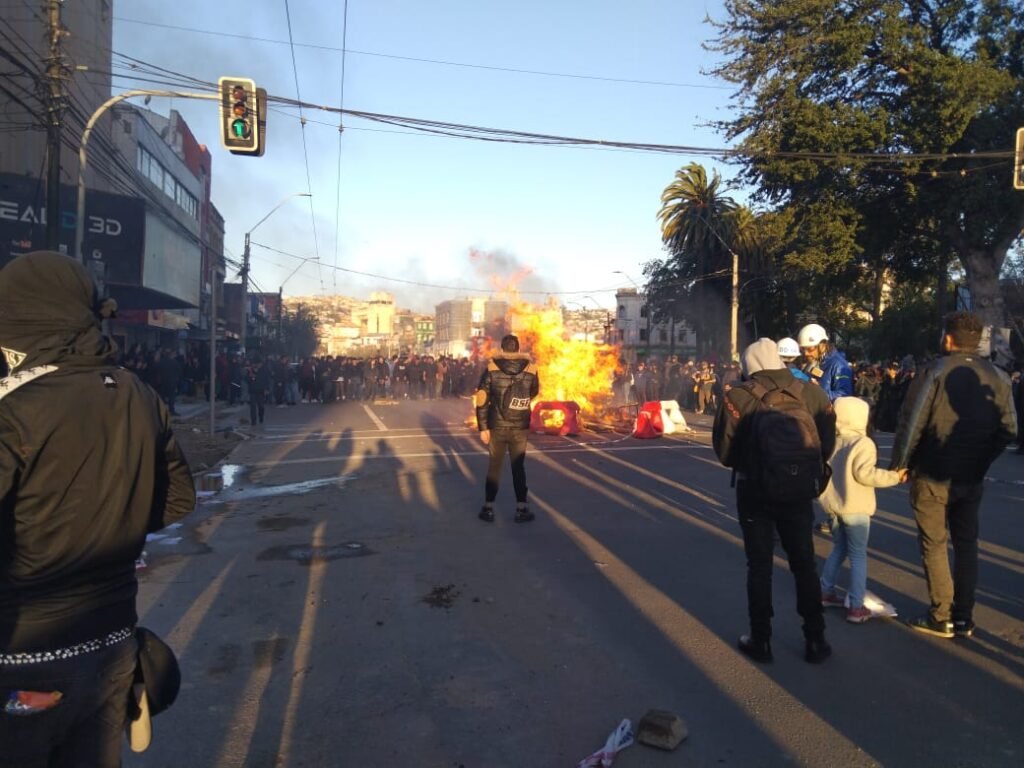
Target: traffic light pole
x=244, y=314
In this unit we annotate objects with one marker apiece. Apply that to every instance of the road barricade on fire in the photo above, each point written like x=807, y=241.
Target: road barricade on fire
x=649, y=422
x=673, y=418
x=555, y=418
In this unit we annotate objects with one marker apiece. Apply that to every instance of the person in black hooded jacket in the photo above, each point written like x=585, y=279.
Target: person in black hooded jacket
x=88, y=467
x=503, y=400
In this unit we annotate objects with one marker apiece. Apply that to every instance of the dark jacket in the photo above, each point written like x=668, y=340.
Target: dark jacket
x=88, y=465
x=732, y=423
x=505, y=390
x=956, y=418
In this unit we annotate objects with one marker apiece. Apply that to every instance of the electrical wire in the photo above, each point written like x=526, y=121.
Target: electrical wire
x=344, y=49
x=341, y=130
x=305, y=149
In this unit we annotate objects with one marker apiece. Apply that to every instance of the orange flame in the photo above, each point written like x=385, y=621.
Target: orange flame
x=569, y=369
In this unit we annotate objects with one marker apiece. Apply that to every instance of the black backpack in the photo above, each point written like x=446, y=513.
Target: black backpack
x=784, y=461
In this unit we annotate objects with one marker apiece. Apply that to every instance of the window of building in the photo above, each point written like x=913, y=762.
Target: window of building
x=662, y=335
x=643, y=311
x=682, y=334
x=643, y=334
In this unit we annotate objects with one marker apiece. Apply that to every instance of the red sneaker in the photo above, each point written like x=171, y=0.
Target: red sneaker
x=832, y=600
x=858, y=615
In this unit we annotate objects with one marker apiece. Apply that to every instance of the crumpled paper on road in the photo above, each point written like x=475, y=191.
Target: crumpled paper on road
x=876, y=605
x=619, y=739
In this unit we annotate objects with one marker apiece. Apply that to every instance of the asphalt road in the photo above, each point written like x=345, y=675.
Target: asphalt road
x=339, y=604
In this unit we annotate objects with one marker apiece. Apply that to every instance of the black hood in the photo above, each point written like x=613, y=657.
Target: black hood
x=50, y=314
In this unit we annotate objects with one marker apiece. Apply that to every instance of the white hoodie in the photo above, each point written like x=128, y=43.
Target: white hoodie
x=854, y=474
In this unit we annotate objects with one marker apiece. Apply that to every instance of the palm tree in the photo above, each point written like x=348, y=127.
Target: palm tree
x=697, y=224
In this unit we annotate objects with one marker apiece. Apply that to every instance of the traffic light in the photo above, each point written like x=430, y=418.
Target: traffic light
x=1018, y=161
x=240, y=119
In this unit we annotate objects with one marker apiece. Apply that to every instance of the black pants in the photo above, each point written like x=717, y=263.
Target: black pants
x=759, y=521
x=947, y=512
x=86, y=729
x=257, y=406
x=513, y=442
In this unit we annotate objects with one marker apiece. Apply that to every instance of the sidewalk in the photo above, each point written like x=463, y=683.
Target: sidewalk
x=190, y=409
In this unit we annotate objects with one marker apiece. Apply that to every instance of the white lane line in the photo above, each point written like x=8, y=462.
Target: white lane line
x=375, y=419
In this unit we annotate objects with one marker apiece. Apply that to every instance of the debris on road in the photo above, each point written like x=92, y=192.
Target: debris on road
x=441, y=597
x=619, y=739
x=662, y=729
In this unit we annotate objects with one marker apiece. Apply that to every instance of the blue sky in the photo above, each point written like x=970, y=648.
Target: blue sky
x=412, y=207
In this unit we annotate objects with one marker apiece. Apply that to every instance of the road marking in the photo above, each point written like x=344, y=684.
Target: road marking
x=375, y=419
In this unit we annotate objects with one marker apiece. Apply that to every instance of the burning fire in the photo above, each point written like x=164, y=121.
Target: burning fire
x=569, y=369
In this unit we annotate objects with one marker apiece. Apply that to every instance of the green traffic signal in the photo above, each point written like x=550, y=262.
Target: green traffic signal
x=240, y=129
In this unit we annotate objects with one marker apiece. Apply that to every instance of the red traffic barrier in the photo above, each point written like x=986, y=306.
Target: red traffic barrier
x=649, y=423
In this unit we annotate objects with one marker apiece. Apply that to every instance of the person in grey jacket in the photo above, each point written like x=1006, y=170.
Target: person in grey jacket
x=957, y=417
x=503, y=409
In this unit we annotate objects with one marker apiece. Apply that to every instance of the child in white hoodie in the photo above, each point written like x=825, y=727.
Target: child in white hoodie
x=849, y=501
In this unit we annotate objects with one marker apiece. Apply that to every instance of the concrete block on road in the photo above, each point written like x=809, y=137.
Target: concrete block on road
x=662, y=729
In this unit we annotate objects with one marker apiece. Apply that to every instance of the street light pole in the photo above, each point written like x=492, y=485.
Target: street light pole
x=245, y=269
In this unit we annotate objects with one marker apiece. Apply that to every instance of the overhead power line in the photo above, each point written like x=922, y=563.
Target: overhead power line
x=441, y=62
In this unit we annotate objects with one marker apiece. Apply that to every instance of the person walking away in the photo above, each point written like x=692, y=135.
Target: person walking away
x=88, y=466
x=956, y=419
x=849, y=501
x=824, y=363
x=503, y=398
x=260, y=383
x=776, y=433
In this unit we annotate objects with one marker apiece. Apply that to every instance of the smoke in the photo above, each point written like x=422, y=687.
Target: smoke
x=496, y=273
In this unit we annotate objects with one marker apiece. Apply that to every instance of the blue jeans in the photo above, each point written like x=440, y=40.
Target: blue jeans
x=86, y=729
x=849, y=540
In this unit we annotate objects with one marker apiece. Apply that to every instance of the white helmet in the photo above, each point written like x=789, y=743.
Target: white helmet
x=788, y=348
x=811, y=335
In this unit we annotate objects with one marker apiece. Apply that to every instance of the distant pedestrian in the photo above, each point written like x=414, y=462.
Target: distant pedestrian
x=777, y=433
x=956, y=419
x=88, y=467
x=502, y=400
x=849, y=501
x=260, y=384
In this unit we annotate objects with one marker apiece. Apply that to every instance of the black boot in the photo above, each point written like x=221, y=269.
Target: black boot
x=817, y=650
x=758, y=650
x=487, y=513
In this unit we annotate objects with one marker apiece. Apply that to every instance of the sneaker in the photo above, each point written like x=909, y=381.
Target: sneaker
x=929, y=626
x=858, y=615
x=758, y=650
x=963, y=628
x=487, y=514
x=523, y=515
x=832, y=600
x=817, y=650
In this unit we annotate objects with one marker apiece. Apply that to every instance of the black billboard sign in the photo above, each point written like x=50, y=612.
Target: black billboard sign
x=114, y=227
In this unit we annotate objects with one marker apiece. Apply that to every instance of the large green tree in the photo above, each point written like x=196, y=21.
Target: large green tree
x=882, y=125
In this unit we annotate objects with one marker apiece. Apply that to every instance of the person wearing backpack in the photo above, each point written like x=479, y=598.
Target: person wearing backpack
x=777, y=433
x=849, y=501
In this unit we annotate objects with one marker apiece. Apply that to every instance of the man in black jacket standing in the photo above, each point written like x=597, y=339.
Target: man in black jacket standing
x=760, y=515
x=956, y=419
x=502, y=401
x=88, y=467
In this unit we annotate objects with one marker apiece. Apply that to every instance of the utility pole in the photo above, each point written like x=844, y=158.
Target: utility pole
x=55, y=111
x=245, y=288
x=734, y=352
